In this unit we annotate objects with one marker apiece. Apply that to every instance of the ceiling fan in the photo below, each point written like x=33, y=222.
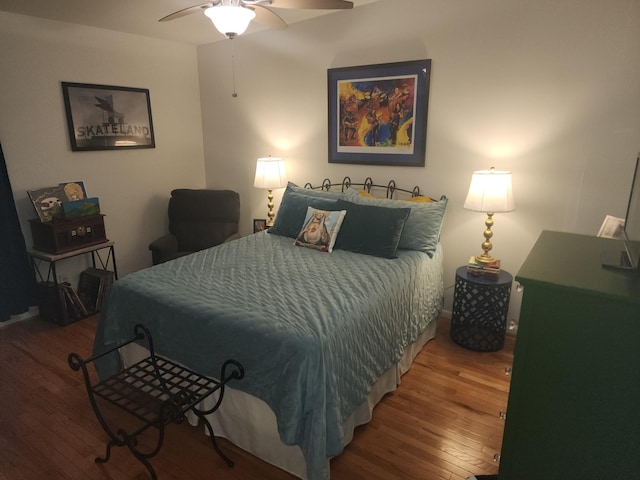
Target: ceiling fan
x=232, y=17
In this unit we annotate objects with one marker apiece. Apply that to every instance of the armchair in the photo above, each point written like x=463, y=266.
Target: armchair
x=198, y=219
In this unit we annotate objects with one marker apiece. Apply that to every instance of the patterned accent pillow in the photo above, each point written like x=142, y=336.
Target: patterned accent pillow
x=422, y=228
x=320, y=229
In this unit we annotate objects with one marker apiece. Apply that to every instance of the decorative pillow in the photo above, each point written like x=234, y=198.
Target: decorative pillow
x=422, y=228
x=417, y=198
x=292, y=211
x=320, y=229
x=370, y=229
x=314, y=193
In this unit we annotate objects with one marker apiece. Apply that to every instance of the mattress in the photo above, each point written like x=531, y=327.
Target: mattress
x=314, y=331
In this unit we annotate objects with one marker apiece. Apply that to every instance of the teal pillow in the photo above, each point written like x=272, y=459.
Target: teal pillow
x=422, y=228
x=293, y=209
x=371, y=229
x=314, y=193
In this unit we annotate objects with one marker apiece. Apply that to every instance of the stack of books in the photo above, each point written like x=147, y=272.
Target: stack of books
x=75, y=308
x=92, y=286
x=487, y=270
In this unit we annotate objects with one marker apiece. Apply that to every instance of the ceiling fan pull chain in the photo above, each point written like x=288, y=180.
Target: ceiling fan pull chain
x=233, y=70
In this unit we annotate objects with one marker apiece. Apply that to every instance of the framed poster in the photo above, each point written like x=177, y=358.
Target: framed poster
x=378, y=113
x=102, y=117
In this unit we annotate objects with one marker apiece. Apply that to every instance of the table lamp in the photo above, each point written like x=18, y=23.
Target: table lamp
x=270, y=174
x=490, y=192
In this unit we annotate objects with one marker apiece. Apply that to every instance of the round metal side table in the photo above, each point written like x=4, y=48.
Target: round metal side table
x=480, y=307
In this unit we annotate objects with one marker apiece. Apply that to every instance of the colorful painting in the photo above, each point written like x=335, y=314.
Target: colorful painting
x=378, y=113
x=74, y=191
x=81, y=208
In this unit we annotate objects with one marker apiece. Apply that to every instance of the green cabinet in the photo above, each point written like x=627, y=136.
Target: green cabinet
x=574, y=402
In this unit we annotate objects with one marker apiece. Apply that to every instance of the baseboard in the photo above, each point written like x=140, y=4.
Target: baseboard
x=33, y=312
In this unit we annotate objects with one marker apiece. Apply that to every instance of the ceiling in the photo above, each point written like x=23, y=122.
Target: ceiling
x=141, y=16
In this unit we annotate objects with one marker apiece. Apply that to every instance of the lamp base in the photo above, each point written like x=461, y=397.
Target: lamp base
x=270, y=214
x=484, y=259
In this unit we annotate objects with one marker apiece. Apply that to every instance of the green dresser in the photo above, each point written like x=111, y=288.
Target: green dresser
x=574, y=403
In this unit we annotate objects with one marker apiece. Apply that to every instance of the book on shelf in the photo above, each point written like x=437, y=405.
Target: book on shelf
x=480, y=269
x=92, y=287
x=75, y=307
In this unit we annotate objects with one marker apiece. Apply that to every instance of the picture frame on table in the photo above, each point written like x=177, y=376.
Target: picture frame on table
x=612, y=227
x=259, y=224
x=378, y=113
x=104, y=117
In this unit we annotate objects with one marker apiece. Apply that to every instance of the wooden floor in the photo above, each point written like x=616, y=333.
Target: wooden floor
x=442, y=422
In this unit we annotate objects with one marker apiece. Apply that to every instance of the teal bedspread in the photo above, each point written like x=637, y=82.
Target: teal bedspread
x=313, y=330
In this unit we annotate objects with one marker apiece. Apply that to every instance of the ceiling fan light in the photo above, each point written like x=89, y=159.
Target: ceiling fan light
x=231, y=21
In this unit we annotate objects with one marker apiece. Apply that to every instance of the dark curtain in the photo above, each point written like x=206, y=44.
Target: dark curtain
x=17, y=281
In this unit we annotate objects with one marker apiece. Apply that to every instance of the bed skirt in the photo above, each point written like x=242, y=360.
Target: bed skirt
x=249, y=423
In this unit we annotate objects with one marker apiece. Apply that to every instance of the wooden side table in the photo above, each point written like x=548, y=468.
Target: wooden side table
x=480, y=307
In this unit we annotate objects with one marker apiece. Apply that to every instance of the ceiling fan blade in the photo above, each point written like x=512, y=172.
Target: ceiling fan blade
x=268, y=18
x=313, y=4
x=188, y=11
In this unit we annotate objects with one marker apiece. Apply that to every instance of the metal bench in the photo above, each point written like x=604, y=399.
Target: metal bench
x=156, y=391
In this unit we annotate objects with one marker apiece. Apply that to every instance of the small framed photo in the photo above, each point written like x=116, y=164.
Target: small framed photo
x=259, y=224
x=612, y=227
x=104, y=117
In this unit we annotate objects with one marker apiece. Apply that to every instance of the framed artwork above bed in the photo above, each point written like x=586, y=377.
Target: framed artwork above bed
x=378, y=113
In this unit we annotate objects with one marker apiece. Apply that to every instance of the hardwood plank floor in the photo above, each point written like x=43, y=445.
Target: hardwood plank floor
x=441, y=423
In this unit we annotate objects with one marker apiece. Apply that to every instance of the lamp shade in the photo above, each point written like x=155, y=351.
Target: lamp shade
x=229, y=20
x=270, y=173
x=490, y=192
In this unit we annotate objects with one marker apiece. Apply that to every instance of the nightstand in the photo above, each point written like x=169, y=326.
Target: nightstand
x=480, y=307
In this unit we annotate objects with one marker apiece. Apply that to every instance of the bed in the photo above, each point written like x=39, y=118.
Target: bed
x=322, y=333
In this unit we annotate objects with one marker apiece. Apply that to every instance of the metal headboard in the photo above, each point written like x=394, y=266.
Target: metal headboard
x=367, y=185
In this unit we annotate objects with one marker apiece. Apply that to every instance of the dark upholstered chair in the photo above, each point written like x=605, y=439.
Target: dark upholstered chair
x=198, y=219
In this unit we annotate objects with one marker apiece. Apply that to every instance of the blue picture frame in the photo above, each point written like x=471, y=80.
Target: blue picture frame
x=378, y=113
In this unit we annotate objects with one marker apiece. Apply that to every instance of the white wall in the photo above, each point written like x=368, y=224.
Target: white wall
x=547, y=89
x=134, y=185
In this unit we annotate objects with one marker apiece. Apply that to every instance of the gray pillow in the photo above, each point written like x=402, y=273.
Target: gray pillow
x=314, y=193
x=421, y=230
